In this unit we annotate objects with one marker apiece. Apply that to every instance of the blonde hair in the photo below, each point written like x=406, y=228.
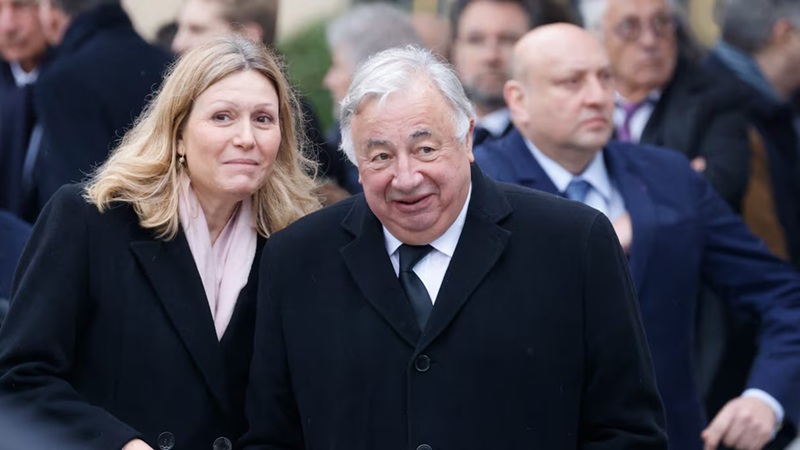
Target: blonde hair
x=144, y=170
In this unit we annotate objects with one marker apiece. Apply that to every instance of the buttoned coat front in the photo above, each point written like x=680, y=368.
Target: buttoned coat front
x=534, y=340
x=110, y=337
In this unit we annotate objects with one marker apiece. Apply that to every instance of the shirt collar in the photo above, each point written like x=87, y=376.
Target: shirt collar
x=446, y=243
x=22, y=78
x=595, y=173
x=652, y=98
x=495, y=122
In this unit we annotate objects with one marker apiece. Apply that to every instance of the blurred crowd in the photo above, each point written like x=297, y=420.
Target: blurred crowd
x=75, y=75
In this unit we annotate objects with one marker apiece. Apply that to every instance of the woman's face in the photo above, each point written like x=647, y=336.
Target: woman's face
x=231, y=138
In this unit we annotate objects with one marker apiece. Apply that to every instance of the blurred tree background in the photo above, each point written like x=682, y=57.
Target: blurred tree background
x=307, y=59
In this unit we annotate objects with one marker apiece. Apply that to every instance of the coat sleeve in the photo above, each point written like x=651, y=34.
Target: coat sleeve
x=748, y=277
x=41, y=338
x=272, y=412
x=621, y=408
x=726, y=149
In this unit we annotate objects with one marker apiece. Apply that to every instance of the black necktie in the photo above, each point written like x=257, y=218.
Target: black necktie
x=415, y=290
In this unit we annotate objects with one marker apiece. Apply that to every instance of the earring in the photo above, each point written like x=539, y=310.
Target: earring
x=182, y=160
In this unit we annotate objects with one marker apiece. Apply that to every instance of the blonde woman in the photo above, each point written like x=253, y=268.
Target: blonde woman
x=131, y=318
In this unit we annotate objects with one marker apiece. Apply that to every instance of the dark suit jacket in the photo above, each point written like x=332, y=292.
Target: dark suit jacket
x=16, y=124
x=700, y=115
x=13, y=235
x=683, y=232
x=534, y=340
x=96, y=85
x=110, y=337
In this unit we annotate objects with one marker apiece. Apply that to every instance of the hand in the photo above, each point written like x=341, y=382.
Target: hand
x=745, y=423
x=624, y=230
x=137, y=444
x=699, y=164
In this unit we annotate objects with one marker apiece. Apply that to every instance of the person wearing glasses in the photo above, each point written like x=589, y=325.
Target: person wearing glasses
x=665, y=98
x=675, y=228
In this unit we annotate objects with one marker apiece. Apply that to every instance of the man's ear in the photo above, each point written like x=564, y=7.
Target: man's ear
x=514, y=94
x=252, y=31
x=782, y=31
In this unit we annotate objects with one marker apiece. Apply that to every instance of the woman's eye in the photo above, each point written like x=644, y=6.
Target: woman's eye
x=264, y=119
x=222, y=117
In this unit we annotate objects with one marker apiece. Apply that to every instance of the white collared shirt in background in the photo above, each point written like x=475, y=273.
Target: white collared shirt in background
x=640, y=117
x=602, y=196
x=22, y=78
x=495, y=122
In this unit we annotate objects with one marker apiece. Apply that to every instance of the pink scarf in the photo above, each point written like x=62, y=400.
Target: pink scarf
x=225, y=266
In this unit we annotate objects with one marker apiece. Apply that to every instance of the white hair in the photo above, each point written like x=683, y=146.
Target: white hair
x=392, y=71
x=370, y=28
x=593, y=11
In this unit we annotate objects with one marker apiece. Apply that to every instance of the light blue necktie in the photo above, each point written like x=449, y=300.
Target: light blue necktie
x=577, y=189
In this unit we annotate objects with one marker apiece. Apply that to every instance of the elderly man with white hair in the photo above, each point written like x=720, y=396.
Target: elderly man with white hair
x=666, y=99
x=441, y=309
x=352, y=38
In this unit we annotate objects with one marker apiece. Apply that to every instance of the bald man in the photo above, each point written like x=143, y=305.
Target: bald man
x=676, y=229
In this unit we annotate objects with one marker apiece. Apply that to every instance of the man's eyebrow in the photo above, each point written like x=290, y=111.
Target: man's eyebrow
x=421, y=134
x=373, y=142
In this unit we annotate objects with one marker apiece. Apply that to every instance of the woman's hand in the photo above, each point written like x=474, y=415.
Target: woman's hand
x=137, y=444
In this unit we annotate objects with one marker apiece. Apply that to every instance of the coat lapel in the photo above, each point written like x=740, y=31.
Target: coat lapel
x=526, y=170
x=638, y=203
x=366, y=259
x=675, y=114
x=170, y=267
x=481, y=243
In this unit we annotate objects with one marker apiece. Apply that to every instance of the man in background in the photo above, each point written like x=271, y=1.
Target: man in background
x=100, y=78
x=387, y=27
x=760, y=51
x=22, y=51
x=200, y=20
x=665, y=98
x=675, y=228
x=484, y=32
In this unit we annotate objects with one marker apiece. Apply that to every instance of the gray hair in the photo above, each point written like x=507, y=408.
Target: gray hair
x=592, y=12
x=747, y=24
x=370, y=28
x=394, y=70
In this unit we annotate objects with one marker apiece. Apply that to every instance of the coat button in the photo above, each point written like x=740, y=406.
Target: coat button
x=422, y=364
x=223, y=443
x=166, y=441
x=424, y=447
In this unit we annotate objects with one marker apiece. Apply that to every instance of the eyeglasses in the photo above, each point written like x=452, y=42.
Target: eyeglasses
x=631, y=28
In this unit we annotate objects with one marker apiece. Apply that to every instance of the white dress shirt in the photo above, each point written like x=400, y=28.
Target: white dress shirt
x=22, y=78
x=606, y=198
x=495, y=122
x=640, y=117
x=602, y=196
x=433, y=266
